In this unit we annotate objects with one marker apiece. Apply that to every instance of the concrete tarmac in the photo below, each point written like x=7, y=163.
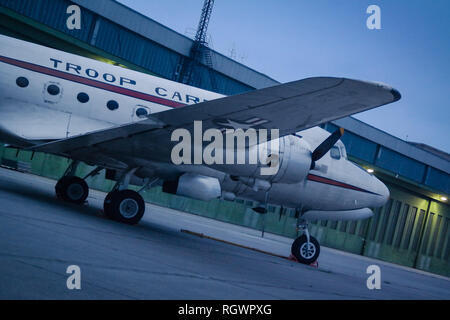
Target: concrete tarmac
x=41, y=236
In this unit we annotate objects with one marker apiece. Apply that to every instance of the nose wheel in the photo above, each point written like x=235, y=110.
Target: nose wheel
x=305, y=251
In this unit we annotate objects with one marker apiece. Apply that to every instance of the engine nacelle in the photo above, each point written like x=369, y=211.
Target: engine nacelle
x=194, y=186
x=293, y=161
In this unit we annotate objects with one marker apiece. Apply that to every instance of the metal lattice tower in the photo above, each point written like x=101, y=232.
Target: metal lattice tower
x=200, y=37
x=200, y=52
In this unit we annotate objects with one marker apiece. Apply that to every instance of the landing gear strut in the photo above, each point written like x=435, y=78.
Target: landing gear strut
x=124, y=205
x=305, y=249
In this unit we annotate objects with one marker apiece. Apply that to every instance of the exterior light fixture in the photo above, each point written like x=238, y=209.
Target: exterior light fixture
x=370, y=170
x=444, y=198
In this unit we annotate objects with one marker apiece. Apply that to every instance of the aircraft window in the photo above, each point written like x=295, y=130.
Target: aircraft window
x=112, y=105
x=83, y=97
x=335, y=153
x=22, y=82
x=141, y=112
x=53, y=89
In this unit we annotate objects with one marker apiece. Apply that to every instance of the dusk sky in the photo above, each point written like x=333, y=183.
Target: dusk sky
x=291, y=40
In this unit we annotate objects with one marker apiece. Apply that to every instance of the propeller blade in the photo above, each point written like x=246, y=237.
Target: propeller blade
x=326, y=145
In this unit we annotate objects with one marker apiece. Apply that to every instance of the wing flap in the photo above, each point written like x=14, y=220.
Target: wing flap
x=91, y=139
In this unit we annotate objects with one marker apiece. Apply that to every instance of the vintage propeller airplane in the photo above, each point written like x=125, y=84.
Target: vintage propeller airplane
x=122, y=121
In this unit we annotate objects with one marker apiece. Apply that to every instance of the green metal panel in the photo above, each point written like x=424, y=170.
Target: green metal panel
x=434, y=249
x=382, y=246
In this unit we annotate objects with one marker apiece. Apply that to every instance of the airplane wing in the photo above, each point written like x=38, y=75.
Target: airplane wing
x=288, y=107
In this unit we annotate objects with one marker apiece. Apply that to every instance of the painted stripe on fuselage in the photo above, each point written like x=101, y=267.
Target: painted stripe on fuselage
x=91, y=82
x=312, y=177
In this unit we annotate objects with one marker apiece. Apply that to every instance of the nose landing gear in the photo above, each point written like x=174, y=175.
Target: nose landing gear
x=305, y=249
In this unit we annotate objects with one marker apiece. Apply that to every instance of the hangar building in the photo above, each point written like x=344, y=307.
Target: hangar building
x=412, y=229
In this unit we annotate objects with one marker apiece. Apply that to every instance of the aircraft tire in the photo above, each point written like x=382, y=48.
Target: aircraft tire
x=126, y=206
x=72, y=189
x=302, y=253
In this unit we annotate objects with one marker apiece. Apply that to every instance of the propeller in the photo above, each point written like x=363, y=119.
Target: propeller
x=325, y=146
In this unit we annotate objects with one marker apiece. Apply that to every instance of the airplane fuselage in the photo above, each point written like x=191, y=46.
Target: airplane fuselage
x=46, y=95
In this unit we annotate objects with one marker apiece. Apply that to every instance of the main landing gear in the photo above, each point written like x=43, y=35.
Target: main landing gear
x=125, y=205
x=120, y=204
x=71, y=188
x=305, y=249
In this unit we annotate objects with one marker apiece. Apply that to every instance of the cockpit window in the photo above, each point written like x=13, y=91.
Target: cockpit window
x=335, y=153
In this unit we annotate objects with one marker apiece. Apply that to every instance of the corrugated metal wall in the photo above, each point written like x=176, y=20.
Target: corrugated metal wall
x=438, y=180
x=132, y=47
x=51, y=13
x=397, y=163
x=359, y=147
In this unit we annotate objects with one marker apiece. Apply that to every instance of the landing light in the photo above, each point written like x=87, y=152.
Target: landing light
x=444, y=198
x=370, y=170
